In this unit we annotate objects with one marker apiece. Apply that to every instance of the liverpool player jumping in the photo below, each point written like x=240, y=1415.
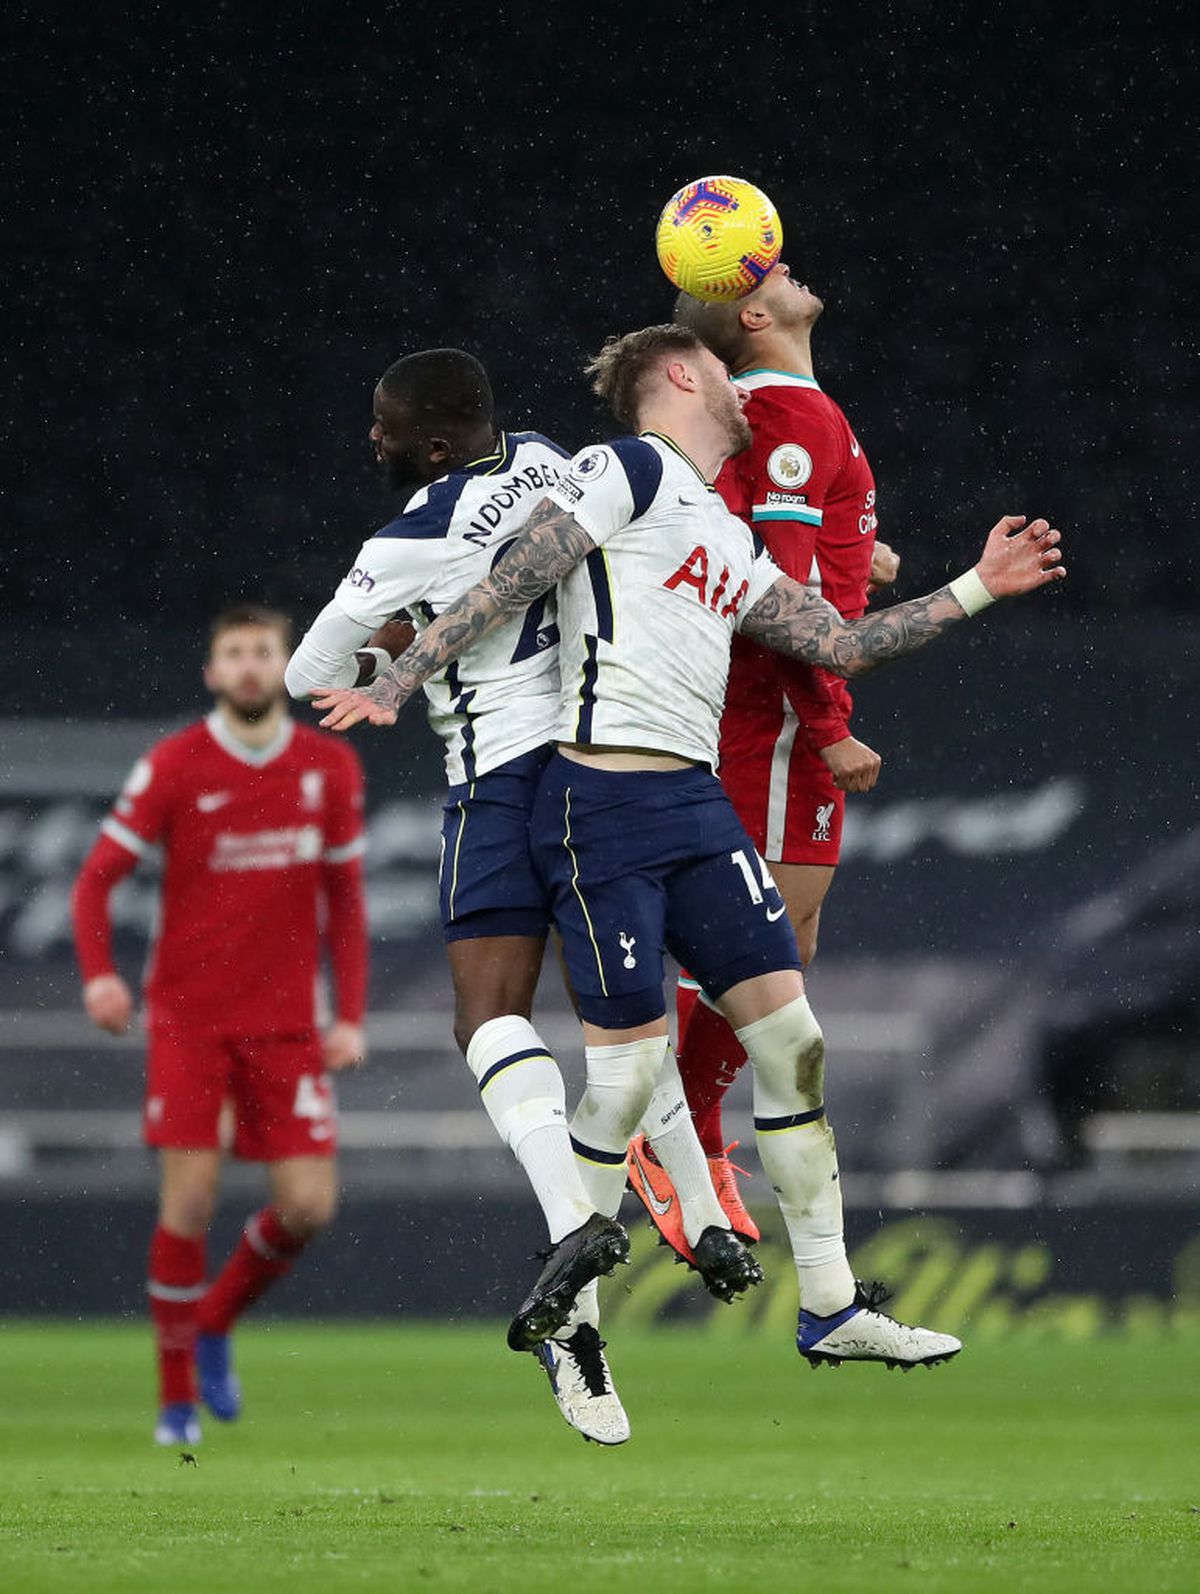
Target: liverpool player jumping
x=787, y=754
x=260, y=821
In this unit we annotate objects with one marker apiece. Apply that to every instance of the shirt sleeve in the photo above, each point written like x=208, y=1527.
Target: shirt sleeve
x=346, y=935
x=764, y=573
x=326, y=655
x=138, y=819
x=105, y=866
x=608, y=485
x=342, y=883
x=780, y=485
x=141, y=813
x=785, y=477
x=344, y=836
x=822, y=720
x=393, y=571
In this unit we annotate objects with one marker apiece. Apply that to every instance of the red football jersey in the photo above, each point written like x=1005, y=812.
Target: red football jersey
x=804, y=485
x=249, y=837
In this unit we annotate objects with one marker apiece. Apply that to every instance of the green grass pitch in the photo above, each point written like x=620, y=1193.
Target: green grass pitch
x=423, y=1457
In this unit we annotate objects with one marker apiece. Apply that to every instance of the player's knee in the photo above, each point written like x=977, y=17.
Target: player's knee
x=464, y=1027
x=306, y=1213
x=787, y=1050
x=187, y=1213
x=471, y=1013
x=806, y=938
x=623, y=1078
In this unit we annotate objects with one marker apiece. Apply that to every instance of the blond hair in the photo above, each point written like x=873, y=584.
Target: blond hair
x=620, y=370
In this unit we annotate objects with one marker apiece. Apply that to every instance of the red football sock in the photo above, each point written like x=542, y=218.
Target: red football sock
x=175, y=1286
x=710, y=1056
x=686, y=997
x=264, y=1253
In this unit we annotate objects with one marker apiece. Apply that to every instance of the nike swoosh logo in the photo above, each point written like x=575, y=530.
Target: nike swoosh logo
x=210, y=800
x=854, y=448
x=777, y=914
x=661, y=1207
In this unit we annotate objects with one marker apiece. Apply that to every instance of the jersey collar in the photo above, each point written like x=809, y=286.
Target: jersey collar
x=256, y=757
x=763, y=376
x=492, y=464
x=660, y=437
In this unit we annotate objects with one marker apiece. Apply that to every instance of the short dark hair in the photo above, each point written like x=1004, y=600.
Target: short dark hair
x=620, y=370
x=240, y=614
x=441, y=387
x=716, y=323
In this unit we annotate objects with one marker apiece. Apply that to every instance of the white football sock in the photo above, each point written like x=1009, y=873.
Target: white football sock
x=620, y=1082
x=585, y=1310
x=668, y=1127
x=797, y=1149
x=522, y=1090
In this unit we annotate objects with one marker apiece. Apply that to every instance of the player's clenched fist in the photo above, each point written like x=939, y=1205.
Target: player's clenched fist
x=1018, y=557
x=109, y=1003
x=853, y=765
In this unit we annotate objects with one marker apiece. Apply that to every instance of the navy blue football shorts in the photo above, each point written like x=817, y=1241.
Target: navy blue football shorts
x=487, y=883
x=641, y=863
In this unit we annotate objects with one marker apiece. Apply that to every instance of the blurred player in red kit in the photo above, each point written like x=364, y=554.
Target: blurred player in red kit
x=788, y=757
x=260, y=824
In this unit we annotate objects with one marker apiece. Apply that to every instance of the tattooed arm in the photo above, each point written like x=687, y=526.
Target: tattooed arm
x=790, y=620
x=551, y=544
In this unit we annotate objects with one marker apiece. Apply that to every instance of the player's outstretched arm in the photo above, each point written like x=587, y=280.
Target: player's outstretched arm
x=551, y=544
x=1016, y=558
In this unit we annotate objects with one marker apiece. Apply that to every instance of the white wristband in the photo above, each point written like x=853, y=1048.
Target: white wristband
x=382, y=660
x=969, y=592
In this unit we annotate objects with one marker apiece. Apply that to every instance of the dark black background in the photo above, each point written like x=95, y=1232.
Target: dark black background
x=225, y=222
x=222, y=223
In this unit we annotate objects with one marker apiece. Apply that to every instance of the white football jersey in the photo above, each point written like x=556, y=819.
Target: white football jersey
x=501, y=698
x=648, y=618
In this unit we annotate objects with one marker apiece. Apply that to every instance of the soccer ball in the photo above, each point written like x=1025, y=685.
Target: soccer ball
x=718, y=238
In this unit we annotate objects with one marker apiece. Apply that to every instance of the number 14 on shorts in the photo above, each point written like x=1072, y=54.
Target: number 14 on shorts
x=753, y=887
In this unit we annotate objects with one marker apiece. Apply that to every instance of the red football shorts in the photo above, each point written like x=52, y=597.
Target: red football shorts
x=783, y=792
x=282, y=1098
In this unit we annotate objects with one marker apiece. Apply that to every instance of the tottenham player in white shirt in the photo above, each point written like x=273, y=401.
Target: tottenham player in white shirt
x=497, y=713
x=642, y=849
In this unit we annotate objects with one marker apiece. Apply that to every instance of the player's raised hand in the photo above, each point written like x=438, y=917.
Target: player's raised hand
x=108, y=1002
x=344, y=1046
x=1019, y=557
x=853, y=765
x=344, y=706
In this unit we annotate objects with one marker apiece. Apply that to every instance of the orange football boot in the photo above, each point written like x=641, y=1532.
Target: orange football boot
x=651, y=1183
x=726, y=1186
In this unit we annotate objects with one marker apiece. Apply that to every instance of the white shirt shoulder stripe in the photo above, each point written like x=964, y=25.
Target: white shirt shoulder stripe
x=124, y=837
x=344, y=853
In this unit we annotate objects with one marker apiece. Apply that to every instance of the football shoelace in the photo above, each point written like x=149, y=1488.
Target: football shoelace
x=732, y=1146
x=584, y=1348
x=725, y=1183
x=871, y=1296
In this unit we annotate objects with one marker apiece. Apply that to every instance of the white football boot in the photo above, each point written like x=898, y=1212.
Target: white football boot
x=177, y=1425
x=862, y=1333
x=583, y=1386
